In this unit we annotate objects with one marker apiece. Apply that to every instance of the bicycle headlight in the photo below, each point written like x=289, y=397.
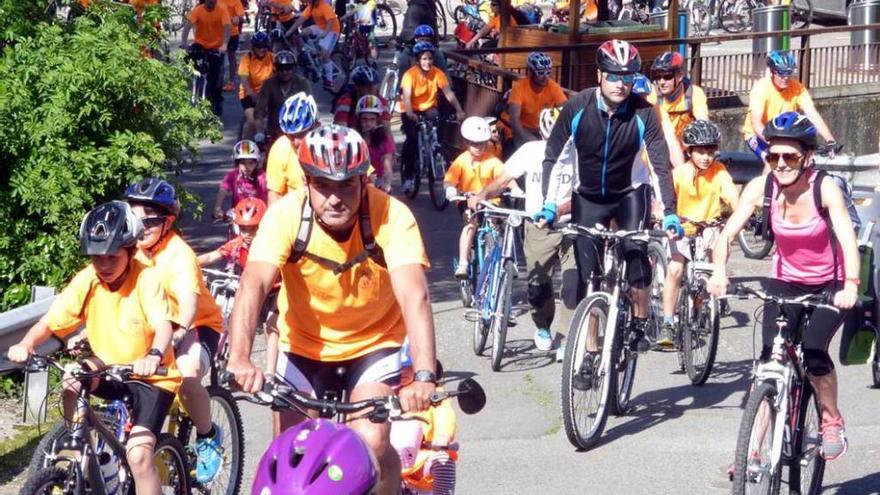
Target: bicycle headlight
x=514, y=220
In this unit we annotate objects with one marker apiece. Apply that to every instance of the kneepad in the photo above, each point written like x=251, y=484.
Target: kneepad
x=540, y=294
x=818, y=362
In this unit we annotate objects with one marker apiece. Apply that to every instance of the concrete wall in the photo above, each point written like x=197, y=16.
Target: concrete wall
x=854, y=120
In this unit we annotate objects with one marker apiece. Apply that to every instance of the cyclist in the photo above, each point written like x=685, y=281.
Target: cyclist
x=285, y=10
x=674, y=94
x=419, y=86
x=254, y=69
x=469, y=174
x=379, y=139
x=245, y=180
x=213, y=27
x=610, y=127
x=364, y=13
x=418, y=13
x=774, y=94
x=113, y=289
x=494, y=148
x=491, y=28
x=422, y=32
x=364, y=81
x=809, y=258
x=326, y=27
x=529, y=96
x=236, y=16
x=544, y=248
x=298, y=116
x=275, y=91
x=360, y=324
x=196, y=317
x=702, y=184
x=247, y=215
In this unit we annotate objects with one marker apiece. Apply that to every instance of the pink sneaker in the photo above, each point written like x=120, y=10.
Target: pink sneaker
x=833, y=436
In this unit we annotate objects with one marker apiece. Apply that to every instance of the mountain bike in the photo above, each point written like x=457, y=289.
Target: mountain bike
x=780, y=423
x=699, y=15
x=90, y=457
x=390, y=87
x=431, y=162
x=311, y=65
x=604, y=317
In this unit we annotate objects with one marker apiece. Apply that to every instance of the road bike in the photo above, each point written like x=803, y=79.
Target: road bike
x=431, y=162
x=780, y=423
x=604, y=317
x=89, y=456
x=736, y=16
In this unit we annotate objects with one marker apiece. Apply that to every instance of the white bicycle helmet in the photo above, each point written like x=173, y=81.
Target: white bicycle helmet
x=245, y=150
x=475, y=130
x=370, y=104
x=547, y=119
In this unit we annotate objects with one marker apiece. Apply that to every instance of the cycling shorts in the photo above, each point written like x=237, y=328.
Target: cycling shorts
x=232, y=46
x=149, y=404
x=248, y=102
x=318, y=377
x=199, y=343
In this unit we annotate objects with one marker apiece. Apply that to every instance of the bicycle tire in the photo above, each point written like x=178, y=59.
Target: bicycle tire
x=875, y=369
x=703, y=331
x=701, y=21
x=387, y=22
x=340, y=79
x=806, y=447
x=575, y=350
x=800, y=14
x=625, y=363
x=45, y=446
x=388, y=88
x=764, y=393
x=44, y=480
x=442, y=24
x=753, y=246
x=435, y=184
x=170, y=451
x=682, y=312
x=458, y=14
x=502, y=313
x=658, y=262
x=735, y=16
x=481, y=329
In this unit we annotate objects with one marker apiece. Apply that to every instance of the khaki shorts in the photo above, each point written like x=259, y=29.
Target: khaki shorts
x=681, y=246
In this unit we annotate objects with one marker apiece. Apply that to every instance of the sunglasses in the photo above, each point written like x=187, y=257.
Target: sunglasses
x=282, y=68
x=664, y=77
x=541, y=73
x=783, y=74
x=789, y=159
x=152, y=222
x=613, y=78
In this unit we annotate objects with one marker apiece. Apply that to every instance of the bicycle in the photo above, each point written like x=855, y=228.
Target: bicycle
x=736, y=16
x=605, y=315
x=199, y=77
x=312, y=66
x=635, y=10
x=780, y=423
x=89, y=455
x=699, y=16
x=431, y=162
x=390, y=87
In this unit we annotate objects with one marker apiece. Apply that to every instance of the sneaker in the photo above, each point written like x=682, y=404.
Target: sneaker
x=229, y=86
x=833, y=439
x=208, y=456
x=583, y=380
x=667, y=336
x=637, y=340
x=560, y=353
x=462, y=270
x=407, y=186
x=543, y=339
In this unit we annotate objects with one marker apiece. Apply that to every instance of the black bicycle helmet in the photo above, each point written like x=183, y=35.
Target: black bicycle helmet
x=284, y=57
x=667, y=62
x=154, y=192
x=617, y=56
x=791, y=125
x=109, y=228
x=701, y=133
x=364, y=75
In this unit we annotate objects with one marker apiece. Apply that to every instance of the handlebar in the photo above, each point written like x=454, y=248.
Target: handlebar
x=619, y=235
x=702, y=225
x=806, y=301
x=117, y=372
x=220, y=274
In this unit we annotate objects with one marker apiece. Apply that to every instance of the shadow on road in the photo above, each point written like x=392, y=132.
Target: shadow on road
x=866, y=485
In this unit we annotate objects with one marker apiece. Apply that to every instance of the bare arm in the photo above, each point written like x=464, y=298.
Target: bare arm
x=411, y=292
x=218, y=202
x=407, y=102
x=810, y=111
x=256, y=281
x=492, y=190
x=37, y=334
x=209, y=258
x=188, y=303
x=450, y=97
x=184, y=35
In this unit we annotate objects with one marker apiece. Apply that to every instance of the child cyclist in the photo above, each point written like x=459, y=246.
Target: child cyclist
x=113, y=289
x=379, y=140
x=364, y=14
x=197, y=318
x=470, y=173
x=702, y=184
x=246, y=218
x=246, y=180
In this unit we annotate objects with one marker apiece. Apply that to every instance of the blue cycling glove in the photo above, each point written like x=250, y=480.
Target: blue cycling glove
x=548, y=213
x=671, y=222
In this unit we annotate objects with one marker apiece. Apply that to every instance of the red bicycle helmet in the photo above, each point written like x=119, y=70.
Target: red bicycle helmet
x=334, y=152
x=249, y=212
x=619, y=57
x=667, y=62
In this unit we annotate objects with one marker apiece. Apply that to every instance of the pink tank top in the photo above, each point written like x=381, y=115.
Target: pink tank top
x=803, y=250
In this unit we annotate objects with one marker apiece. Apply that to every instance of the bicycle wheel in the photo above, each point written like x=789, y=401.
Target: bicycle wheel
x=753, y=473
x=584, y=412
x=701, y=21
x=435, y=180
x=807, y=469
x=47, y=481
x=502, y=312
x=481, y=326
x=442, y=27
x=753, y=246
x=736, y=16
x=385, y=25
x=340, y=73
x=171, y=464
x=625, y=361
x=47, y=446
x=700, y=336
x=388, y=88
x=226, y=415
x=683, y=310
x=658, y=261
x=800, y=14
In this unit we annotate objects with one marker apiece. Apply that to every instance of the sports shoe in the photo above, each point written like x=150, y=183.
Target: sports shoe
x=208, y=456
x=407, y=186
x=583, y=380
x=543, y=339
x=833, y=439
x=667, y=336
x=229, y=86
x=637, y=340
x=462, y=270
x=560, y=353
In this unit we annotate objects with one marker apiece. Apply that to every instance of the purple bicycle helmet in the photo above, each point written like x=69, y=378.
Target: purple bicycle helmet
x=315, y=457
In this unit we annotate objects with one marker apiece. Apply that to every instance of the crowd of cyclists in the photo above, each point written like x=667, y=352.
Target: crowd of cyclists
x=341, y=261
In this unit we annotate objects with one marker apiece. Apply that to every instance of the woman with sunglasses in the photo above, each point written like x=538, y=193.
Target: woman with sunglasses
x=529, y=96
x=806, y=262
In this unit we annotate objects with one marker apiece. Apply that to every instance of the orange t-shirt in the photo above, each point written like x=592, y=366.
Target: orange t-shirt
x=769, y=101
x=471, y=176
x=283, y=171
x=532, y=103
x=326, y=316
x=495, y=23
x=423, y=86
x=281, y=16
x=322, y=14
x=209, y=25
x=255, y=70
x=236, y=9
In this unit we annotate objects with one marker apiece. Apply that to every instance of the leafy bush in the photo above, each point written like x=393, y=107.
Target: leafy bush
x=83, y=112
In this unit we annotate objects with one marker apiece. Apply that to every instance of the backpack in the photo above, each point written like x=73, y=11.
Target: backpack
x=371, y=249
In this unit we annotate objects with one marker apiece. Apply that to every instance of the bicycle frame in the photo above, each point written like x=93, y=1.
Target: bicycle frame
x=489, y=274
x=428, y=143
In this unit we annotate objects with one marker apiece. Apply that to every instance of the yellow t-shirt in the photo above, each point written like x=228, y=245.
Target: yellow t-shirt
x=255, y=70
x=283, y=171
x=521, y=93
x=769, y=101
x=177, y=268
x=423, y=86
x=472, y=176
x=209, y=25
x=679, y=112
x=329, y=317
x=120, y=324
x=322, y=14
x=699, y=193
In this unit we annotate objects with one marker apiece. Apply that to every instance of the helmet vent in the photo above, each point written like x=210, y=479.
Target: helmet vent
x=318, y=472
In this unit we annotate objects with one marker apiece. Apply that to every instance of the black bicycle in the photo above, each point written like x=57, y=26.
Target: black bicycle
x=431, y=162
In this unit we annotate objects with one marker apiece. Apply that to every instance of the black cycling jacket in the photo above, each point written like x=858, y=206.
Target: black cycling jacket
x=609, y=160
x=418, y=12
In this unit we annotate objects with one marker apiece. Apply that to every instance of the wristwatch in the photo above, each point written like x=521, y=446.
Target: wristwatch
x=156, y=352
x=425, y=376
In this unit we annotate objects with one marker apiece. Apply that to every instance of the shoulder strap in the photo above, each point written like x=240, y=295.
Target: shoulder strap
x=766, y=232
x=307, y=218
x=688, y=95
x=576, y=122
x=823, y=212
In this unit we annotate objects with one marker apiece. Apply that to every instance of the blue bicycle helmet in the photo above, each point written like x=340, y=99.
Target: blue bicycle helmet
x=298, y=114
x=261, y=40
x=792, y=125
x=422, y=47
x=423, y=31
x=364, y=75
x=782, y=62
x=154, y=192
x=539, y=62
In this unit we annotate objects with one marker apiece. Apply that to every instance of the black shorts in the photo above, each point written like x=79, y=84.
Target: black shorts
x=289, y=24
x=149, y=404
x=248, y=102
x=233, y=44
x=319, y=377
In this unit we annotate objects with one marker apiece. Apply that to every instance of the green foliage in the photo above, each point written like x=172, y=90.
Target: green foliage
x=83, y=112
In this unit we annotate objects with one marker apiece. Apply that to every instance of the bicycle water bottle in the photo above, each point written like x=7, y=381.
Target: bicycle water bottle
x=109, y=472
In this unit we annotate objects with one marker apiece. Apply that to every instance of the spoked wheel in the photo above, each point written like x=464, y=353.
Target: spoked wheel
x=753, y=473
x=625, y=361
x=736, y=16
x=700, y=338
x=48, y=481
x=435, y=181
x=171, y=463
x=807, y=469
x=339, y=76
x=586, y=402
x=682, y=313
x=481, y=324
x=752, y=244
x=442, y=28
x=800, y=14
x=701, y=21
x=658, y=261
x=48, y=445
x=502, y=313
x=386, y=25
x=875, y=368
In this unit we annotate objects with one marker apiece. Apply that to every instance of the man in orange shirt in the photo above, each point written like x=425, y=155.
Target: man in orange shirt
x=255, y=68
x=326, y=27
x=353, y=287
x=213, y=27
x=236, y=16
x=529, y=96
